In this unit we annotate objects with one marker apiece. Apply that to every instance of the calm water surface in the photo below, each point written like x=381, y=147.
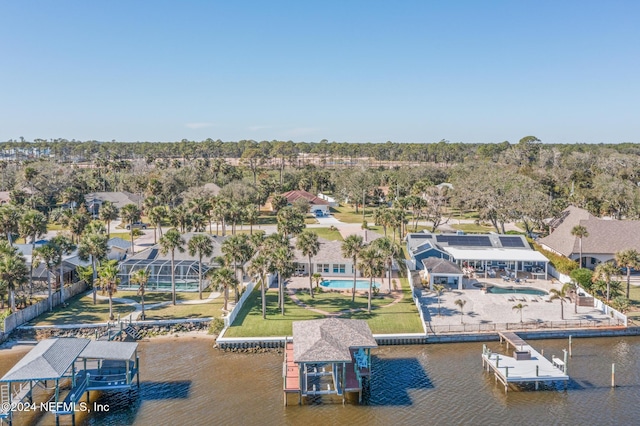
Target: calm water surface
x=186, y=381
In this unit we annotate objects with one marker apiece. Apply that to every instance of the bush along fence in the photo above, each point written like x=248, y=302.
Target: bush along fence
x=25, y=315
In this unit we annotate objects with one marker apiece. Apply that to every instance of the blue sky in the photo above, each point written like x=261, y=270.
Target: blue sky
x=358, y=71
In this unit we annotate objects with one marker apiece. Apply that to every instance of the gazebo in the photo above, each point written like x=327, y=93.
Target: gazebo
x=328, y=357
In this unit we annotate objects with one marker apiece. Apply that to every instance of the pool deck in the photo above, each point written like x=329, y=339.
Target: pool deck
x=302, y=283
x=483, y=308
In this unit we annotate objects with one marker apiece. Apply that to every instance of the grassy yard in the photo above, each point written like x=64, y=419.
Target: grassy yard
x=472, y=227
x=55, y=227
x=348, y=214
x=332, y=302
x=401, y=317
x=327, y=234
x=80, y=309
x=151, y=297
x=634, y=299
x=213, y=309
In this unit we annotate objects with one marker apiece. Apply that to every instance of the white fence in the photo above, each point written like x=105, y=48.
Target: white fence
x=416, y=299
x=559, y=276
x=228, y=320
x=25, y=315
x=520, y=326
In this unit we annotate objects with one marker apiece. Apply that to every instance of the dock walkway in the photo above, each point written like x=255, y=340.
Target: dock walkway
x=525, y=366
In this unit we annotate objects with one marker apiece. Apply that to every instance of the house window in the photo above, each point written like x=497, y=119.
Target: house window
x=323, y=267
x=338, y=268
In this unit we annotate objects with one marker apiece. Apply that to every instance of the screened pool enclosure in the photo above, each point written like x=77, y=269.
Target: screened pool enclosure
x=186, y=273
x=159, y=267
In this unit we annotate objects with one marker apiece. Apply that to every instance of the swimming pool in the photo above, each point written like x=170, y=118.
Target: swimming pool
x=510, y=290
x=345, y=284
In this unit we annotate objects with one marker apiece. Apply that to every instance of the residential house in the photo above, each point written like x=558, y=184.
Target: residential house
x=119, y=199
x=605, y=237
x=329, y=261
x=315, y=203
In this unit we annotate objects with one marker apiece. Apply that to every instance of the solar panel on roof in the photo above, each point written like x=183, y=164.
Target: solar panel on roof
x=153, y=253
x=511, y=242
x=465, y=240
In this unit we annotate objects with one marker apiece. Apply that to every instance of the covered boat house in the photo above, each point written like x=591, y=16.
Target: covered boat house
x=329, y=356
x=79, y=365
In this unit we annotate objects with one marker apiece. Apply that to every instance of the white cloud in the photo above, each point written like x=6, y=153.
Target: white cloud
x=199, y=125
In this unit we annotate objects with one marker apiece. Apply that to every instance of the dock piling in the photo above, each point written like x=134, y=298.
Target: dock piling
x=570, y=352
x=613, y=375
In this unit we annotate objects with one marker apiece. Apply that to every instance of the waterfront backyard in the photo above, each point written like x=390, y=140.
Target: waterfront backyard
x=391, y=313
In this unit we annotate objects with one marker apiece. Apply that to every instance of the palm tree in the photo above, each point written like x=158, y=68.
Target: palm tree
x=290, y=221
x=66, y=247
x=317, y=278
x=251, y=215
x=156, y=215
x=309, y=245
x=351, y=247
x=131, y=214
x=93, y=246
x=561, y=295
x=180, y=217
x=580, y=232
x=371, y=265
x=50, y=256
x=460, y=304
x=108, y=212
x=201, y=245
x=223, y=278
x=281, y=263
x=33, y=224
x=169, y=243
x=9, y=221
x=260, y=266
x=604, y=271
x=519, y=307
x=391, y=251
x=141, y=278
x=13, y=271
x=628, y=259
x=237, y=249
x=438, y=289
x=108, y=281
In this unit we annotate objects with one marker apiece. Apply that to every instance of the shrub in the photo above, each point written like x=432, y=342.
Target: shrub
x=365, y=225
x=561, y=263
x=216, y=326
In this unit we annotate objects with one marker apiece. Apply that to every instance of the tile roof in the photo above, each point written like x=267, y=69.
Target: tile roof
x=329, y=339
x=292, y=196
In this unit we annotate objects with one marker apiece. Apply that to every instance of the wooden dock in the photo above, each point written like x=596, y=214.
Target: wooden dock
x=525, y=366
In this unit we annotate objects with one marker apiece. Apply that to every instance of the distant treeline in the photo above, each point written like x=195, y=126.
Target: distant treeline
x=438, y=152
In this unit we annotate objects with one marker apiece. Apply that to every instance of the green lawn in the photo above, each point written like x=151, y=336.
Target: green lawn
x=332, y=302
x=327, y=234
x=81, y=310
x=402, y=317
x=249, y=322
x=151, y=297
x=472, y=227
x=205, y=310
x=634, y=299
x=55, y=227
x=348, y=214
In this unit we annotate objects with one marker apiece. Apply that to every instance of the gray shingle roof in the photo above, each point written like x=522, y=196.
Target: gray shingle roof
x=119, y=351
x=605, y=236
x=119, y=243
x=329, y=340
x=49, y=359
x=155, y=252
x=119, y=199
x=330, y=252
x=436, y=265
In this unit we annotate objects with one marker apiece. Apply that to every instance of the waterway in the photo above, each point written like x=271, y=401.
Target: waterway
x=186, y=381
